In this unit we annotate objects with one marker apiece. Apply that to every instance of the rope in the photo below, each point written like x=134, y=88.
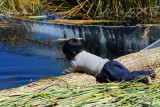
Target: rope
x=153, y=45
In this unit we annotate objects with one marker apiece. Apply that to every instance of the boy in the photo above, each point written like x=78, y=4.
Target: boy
x=107, y=70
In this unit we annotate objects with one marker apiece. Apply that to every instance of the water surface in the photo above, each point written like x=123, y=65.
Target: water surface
x=25, y=62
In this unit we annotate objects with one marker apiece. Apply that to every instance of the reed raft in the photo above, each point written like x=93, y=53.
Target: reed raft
x=140, y=60
x=83, y=90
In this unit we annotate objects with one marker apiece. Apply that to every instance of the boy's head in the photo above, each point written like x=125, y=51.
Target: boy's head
x=71, y=48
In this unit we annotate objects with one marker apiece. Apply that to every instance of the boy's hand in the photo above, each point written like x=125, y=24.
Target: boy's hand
x=66, y=72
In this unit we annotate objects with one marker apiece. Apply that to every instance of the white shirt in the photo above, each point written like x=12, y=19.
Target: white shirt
x=87, y=62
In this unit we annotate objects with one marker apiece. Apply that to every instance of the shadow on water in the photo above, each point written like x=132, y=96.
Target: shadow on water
x=28, y=53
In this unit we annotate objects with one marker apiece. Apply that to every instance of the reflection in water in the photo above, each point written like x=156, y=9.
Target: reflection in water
x=115, y=39
x=123, y=39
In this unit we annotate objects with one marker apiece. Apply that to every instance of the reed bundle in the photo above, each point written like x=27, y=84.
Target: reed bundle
x=107, y=94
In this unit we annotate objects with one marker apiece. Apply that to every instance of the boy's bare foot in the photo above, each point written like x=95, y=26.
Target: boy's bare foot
x=155, y=74
x=148, y=80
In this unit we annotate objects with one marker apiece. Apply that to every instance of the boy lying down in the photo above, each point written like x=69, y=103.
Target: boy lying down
x=106, y=70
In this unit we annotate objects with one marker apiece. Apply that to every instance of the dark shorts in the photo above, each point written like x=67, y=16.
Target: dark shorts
x=115, y=71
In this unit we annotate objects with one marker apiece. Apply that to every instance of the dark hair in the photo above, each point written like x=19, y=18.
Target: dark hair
x=72, y=45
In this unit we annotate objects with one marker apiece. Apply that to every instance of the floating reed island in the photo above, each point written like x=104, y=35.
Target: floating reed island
x=78, y=89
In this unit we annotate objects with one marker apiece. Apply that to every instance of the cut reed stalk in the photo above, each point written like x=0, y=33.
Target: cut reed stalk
x=32, y=17
x=82, y=21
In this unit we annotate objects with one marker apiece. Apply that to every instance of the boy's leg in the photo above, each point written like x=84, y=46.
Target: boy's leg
x=142, y=72
x=142, y=76
x=153, y=73
x=136, y=75
x=114, y=71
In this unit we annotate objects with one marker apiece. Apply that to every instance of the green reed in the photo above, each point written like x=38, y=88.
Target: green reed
x=137, y=94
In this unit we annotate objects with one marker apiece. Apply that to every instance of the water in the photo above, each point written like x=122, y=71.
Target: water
x=25, y=62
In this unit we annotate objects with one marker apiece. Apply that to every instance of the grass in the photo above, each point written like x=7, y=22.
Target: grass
x=105, y=94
